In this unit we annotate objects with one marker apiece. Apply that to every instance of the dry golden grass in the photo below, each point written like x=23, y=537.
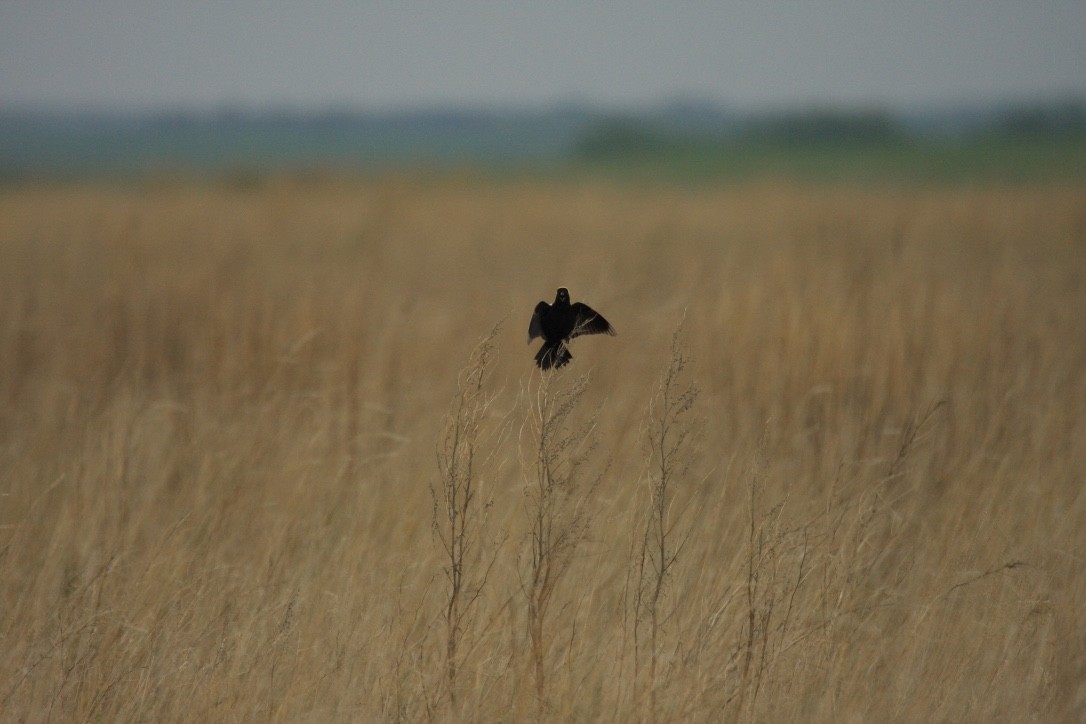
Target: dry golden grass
x=222, y=412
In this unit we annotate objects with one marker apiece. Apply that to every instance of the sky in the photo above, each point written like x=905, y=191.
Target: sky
x=321, y=54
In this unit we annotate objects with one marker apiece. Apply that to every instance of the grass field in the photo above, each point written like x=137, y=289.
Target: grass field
x=251, y=468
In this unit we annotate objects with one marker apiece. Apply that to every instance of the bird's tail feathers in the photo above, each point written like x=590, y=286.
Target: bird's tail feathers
x=553, y=354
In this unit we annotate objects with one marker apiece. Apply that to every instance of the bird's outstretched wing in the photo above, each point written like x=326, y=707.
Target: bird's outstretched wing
x=535, y=327
x=589, y=321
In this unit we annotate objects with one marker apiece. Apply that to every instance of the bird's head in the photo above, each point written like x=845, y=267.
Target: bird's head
x=563, y=296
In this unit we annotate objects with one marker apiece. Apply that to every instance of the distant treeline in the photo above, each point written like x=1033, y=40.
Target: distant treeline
x=640, y=135
x=81, y=143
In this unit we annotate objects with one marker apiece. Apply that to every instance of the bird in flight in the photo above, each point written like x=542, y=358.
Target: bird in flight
x=560, y=322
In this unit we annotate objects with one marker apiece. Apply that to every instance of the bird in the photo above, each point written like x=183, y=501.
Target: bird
x=560, y=322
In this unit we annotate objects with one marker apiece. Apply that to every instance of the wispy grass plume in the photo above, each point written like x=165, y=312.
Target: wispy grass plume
x=465, y=456
x=670, y=432
x=556, y=452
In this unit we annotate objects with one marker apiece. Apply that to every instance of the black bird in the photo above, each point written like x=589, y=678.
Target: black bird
x=560, y=322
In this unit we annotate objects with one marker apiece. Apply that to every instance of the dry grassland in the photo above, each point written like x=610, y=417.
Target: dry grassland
x=250, y=469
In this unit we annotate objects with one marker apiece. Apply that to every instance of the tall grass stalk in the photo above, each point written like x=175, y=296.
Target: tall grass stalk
x=465, y=455
x=556, y=455
x=670, y=434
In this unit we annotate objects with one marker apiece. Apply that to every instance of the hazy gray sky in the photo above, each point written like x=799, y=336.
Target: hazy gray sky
x=142, y=53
